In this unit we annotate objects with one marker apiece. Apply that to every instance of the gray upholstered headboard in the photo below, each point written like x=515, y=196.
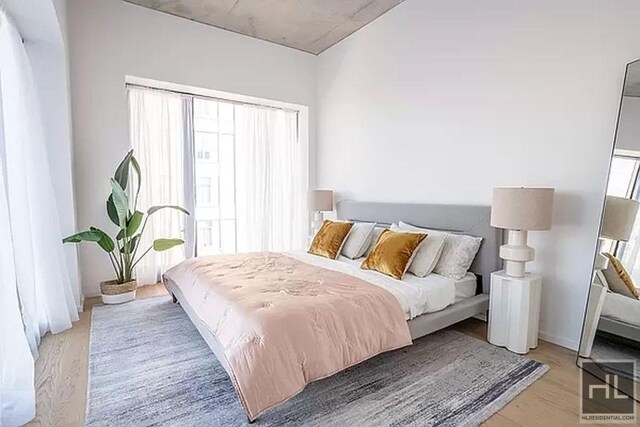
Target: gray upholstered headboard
x=466, y=219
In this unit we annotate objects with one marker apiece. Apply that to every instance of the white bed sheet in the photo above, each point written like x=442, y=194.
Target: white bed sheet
x=621, y=308
x=465, y=287
x=416, y=295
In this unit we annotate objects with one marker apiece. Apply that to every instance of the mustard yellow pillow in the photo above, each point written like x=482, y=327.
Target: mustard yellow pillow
x=618, y=279
x=393, y=253
x=329, y=239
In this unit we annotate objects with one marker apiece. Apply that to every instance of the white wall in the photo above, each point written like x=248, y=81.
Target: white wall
x=110, y=39
x=629, y=125
x=441, y=101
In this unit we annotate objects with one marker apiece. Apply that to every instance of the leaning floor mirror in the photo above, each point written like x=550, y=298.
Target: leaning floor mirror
x=610, y=343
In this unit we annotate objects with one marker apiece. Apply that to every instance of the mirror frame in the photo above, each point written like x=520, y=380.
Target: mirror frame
x=601, y=218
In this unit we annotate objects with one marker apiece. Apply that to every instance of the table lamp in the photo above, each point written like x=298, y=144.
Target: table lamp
x=619, y=216
x=519, y=210
x=617, y=224
x=319, y=201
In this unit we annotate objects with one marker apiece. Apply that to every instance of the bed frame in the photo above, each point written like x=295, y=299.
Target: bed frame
x=622, y=329
x=461, y=219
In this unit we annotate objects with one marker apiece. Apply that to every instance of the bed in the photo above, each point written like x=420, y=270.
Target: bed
x=620, y=316
x=425, y=305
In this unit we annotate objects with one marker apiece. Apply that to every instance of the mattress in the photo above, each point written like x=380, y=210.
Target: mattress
x=465, y=287
x=621, y=308
x=416, y=295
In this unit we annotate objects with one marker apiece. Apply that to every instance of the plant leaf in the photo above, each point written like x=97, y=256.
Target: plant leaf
x=134, y=223
x=154, y=209
x=111, y=211
x=105, y=242
x=83, y=236
x=136, y=167
x=121, y=202
x=165, y=244
x=122, y=172
x=132, y=244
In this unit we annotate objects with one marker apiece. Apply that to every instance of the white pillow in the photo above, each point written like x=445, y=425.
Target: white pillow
x=428, y=253
x=357, y=241
x=457, y=255
x=373, y=239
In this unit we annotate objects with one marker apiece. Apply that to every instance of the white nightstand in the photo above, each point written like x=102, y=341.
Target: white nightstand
x=514, y=311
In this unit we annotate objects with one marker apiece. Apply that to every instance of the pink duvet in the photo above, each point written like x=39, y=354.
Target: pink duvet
x=282, y=323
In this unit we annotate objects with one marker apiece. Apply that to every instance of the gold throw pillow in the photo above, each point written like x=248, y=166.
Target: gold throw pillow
x=393, y=253
x=329, y=239
x=619, y=280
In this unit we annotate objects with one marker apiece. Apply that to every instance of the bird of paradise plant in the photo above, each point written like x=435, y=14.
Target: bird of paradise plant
x=123, y=251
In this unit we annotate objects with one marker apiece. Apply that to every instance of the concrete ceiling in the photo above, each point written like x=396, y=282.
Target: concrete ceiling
x=632, y=83
x=308, y=25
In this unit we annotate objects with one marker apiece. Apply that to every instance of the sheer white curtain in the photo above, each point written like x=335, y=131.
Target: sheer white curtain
x=270, y=168
x=271, y=180
x=17, y=393
x=160, y=129
x=33, y=265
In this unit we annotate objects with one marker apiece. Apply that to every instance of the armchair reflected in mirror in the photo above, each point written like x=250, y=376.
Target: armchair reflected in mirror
x=611, y=329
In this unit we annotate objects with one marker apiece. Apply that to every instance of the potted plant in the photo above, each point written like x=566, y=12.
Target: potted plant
x=124, y=251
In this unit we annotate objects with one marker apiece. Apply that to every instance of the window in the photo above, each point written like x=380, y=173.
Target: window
x=205, y=234
x=204, y=191
x=244, y=184
x=623, y=175
x=206, y=146
x=214, y=134
x=205, y=110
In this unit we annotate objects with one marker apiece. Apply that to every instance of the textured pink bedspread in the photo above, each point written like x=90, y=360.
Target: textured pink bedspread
x=282, y=323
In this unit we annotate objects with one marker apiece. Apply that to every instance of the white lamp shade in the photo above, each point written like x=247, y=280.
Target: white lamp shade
x=522, y=208
x=619, y=217
x=320, y=200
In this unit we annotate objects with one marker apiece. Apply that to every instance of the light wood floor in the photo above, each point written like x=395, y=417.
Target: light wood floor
x=61, y=379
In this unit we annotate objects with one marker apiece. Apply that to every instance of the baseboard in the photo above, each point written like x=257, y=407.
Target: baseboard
x=545, y=336
x=562, y=342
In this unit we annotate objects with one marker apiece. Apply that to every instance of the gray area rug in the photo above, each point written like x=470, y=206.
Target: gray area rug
x=148, y=365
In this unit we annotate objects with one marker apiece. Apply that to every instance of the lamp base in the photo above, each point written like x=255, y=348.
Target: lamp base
x=602, y=262
x=516, y=253
x=318, y=219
